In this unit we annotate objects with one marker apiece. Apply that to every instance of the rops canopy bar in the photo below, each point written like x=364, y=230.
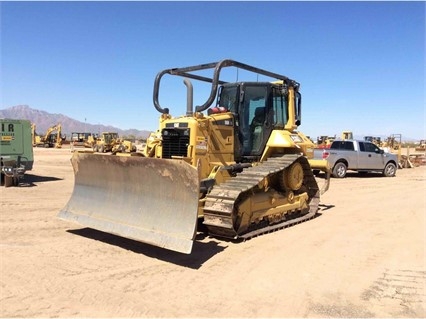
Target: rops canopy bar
x=215, y=80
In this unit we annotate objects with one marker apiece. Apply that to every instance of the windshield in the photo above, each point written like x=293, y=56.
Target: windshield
x=280, y=108
x=228, y=98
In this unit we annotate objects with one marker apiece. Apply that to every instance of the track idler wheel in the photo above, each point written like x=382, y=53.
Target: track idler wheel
x=292, y=177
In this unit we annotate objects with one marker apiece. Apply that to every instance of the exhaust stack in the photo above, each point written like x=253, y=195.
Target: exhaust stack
x=189, y=97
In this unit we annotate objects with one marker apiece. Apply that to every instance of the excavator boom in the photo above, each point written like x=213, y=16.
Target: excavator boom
x=146, y=199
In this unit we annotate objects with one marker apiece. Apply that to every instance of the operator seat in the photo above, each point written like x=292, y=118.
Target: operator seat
x=256, y=127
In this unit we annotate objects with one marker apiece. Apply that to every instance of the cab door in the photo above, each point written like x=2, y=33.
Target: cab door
x=370, y=156
x=254, y=110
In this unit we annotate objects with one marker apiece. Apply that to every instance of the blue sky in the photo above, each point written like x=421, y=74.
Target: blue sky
x=361, y=65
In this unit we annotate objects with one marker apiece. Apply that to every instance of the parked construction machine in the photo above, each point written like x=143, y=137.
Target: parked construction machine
x=82, y=139
x=105, y=142
x=16, y=150
x=325, y=141
x=347, y=135
x=238, y=171
x=123, y=146
x=377, y=140
x=421, y=147
x=393, y=143
x=52, y=138
x=110, y=142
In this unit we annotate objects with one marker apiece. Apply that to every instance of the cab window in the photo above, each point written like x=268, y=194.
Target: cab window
x=369, y=147
x=253, y=117
x=228, y=98
x=279, y=104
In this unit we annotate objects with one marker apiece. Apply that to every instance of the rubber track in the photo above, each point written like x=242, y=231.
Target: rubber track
x=221, y=202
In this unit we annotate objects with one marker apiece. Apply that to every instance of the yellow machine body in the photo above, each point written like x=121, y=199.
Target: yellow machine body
x=52, y=138
x=241, y=168
x=105, y=142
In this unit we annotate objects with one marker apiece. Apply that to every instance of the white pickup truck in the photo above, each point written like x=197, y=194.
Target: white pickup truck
x=356, y=155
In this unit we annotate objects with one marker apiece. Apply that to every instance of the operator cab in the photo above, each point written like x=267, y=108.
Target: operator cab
x=258, y=109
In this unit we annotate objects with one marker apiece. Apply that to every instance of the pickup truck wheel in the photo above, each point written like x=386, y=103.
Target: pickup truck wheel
x=390, y=170
x=339, y=170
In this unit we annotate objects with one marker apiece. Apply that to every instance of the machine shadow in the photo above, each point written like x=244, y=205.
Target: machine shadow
x=363, y=175
x=323, y=207
x=201, y=252
x=354, y=175
x=29, y=180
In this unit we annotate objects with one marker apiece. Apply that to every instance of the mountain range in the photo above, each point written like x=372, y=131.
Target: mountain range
x=43, y=120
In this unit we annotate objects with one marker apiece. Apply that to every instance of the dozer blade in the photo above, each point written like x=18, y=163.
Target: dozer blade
x=322, y=165
x=146, y=199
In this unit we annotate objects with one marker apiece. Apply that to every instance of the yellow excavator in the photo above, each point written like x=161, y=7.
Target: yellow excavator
x=237, y=167
x=52, y=138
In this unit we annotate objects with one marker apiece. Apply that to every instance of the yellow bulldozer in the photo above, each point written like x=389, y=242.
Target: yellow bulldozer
x=82, y=139
x=377, y=140
x=237, y=167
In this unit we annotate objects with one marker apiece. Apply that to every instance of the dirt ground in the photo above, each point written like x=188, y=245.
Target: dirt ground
x=363, y=256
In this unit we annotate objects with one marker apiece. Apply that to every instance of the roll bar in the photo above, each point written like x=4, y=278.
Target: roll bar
x=215, y=80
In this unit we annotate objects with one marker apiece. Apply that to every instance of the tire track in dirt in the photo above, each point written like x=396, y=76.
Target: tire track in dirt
x=406, y=287
x=342, y=263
